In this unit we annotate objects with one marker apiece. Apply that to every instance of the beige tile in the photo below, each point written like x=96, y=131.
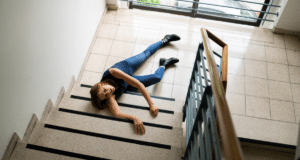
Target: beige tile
x=293, y=57
x=139, y=48
x=110, y=17
x=236, y=103
x=190, y=41
x=296, y=92
x=186, y=58
x=233, y=41
x=255, y=52
x=278, y=41
x=102, y=46
x=111, y=60
x=127, y=33
x=161, y=89
x=276, y=55
x=96, y=63
x=256, y=69
x=249, y=42
x=121, y=49
x=258, y=107
x=236, y=84
x=108, y=31
x=90, y=78
x=278, y=72
x=144, y=69
x=282, y=111
x=237, y=52
x=165, y=52
x=292, y=42
x=168, y=75
x=256, y=87
x=297, y=112
x=280, y=90
x=182, y=76
x=148, y=36
x=265, y=130
x=236, y=66
x=179, y=92
x=294, y=74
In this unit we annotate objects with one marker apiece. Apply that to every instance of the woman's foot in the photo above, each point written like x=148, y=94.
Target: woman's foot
x=168, y=38
x=167, y=62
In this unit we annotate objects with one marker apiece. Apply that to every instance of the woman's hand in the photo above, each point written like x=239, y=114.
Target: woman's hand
x=153, y=110
x=139, y=126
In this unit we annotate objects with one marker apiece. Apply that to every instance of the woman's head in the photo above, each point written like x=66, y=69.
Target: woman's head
x=100, y=92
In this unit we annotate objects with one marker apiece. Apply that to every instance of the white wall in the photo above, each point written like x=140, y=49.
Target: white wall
x=289, y=17
x=42, y=44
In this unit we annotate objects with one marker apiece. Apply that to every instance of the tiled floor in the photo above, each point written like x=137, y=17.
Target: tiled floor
x=263, y=76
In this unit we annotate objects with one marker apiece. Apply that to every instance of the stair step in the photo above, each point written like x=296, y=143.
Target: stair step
x=174, y=120
x=115, y=128
x=38, y=153
x=100, y=145
x=133, y=99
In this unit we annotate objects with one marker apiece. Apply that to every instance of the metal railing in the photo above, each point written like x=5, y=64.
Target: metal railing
x=196, y=11
x=208, y=120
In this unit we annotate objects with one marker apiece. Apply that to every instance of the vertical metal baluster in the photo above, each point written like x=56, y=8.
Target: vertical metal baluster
x=202, y=145
x=196, y=157
x=193, y=98
x=207, y=136
x=213, y=125
x=187, y=122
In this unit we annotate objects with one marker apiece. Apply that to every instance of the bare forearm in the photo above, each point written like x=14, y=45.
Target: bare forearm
x=146, y=95
x=125, y=116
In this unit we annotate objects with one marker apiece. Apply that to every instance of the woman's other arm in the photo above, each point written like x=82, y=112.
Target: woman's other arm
x=116, y=112
x=137, y=84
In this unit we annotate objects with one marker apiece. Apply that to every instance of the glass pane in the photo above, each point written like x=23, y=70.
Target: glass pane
x=165, y=4
x=213, y=8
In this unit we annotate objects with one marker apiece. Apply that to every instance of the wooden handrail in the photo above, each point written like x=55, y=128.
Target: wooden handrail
x=231, y=145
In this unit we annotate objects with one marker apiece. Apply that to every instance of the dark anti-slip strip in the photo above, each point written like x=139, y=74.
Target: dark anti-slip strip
x=267, y=143
x=61, y=152
x=125, y=105
x=133, y=93
x=115, y=138
x=113, y=118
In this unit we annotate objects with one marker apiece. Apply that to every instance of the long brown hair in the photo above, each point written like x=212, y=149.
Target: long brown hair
x=96, y=102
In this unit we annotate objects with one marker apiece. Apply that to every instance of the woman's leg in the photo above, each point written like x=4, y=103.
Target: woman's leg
x=135, y=61
x=149, y=80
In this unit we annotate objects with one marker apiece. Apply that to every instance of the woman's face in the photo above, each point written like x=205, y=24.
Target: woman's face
x=105, y=91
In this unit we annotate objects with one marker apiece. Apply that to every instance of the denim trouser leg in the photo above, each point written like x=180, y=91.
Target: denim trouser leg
x=150, y=79
x=135, y=61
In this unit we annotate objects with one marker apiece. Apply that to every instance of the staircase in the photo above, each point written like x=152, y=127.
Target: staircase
x=76, y=130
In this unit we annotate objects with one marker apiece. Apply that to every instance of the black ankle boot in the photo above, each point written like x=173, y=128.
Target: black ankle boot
x=168, y=38
x=167, y=62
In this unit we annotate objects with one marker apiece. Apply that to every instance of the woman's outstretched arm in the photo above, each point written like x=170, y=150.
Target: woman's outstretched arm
x=116, y=112
x=137, y=84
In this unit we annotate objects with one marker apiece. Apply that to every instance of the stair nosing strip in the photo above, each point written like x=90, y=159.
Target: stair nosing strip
x=133, y=93
x=61, y=152
x=274, y=144
x=115, y=138
x=125, y=105
x=113, y=118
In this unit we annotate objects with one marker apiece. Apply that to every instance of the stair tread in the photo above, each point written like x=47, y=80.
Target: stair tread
x=23, y=153
x=174, y=120
x=100, y=147
x=115, y=128
x=133, y=99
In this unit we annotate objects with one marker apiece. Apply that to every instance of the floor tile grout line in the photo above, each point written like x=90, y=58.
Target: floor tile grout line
x=291, y=87
x=264, y=118
x=268, y=86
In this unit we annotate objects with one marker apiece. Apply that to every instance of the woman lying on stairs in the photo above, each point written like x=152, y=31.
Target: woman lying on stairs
x=118, y=79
